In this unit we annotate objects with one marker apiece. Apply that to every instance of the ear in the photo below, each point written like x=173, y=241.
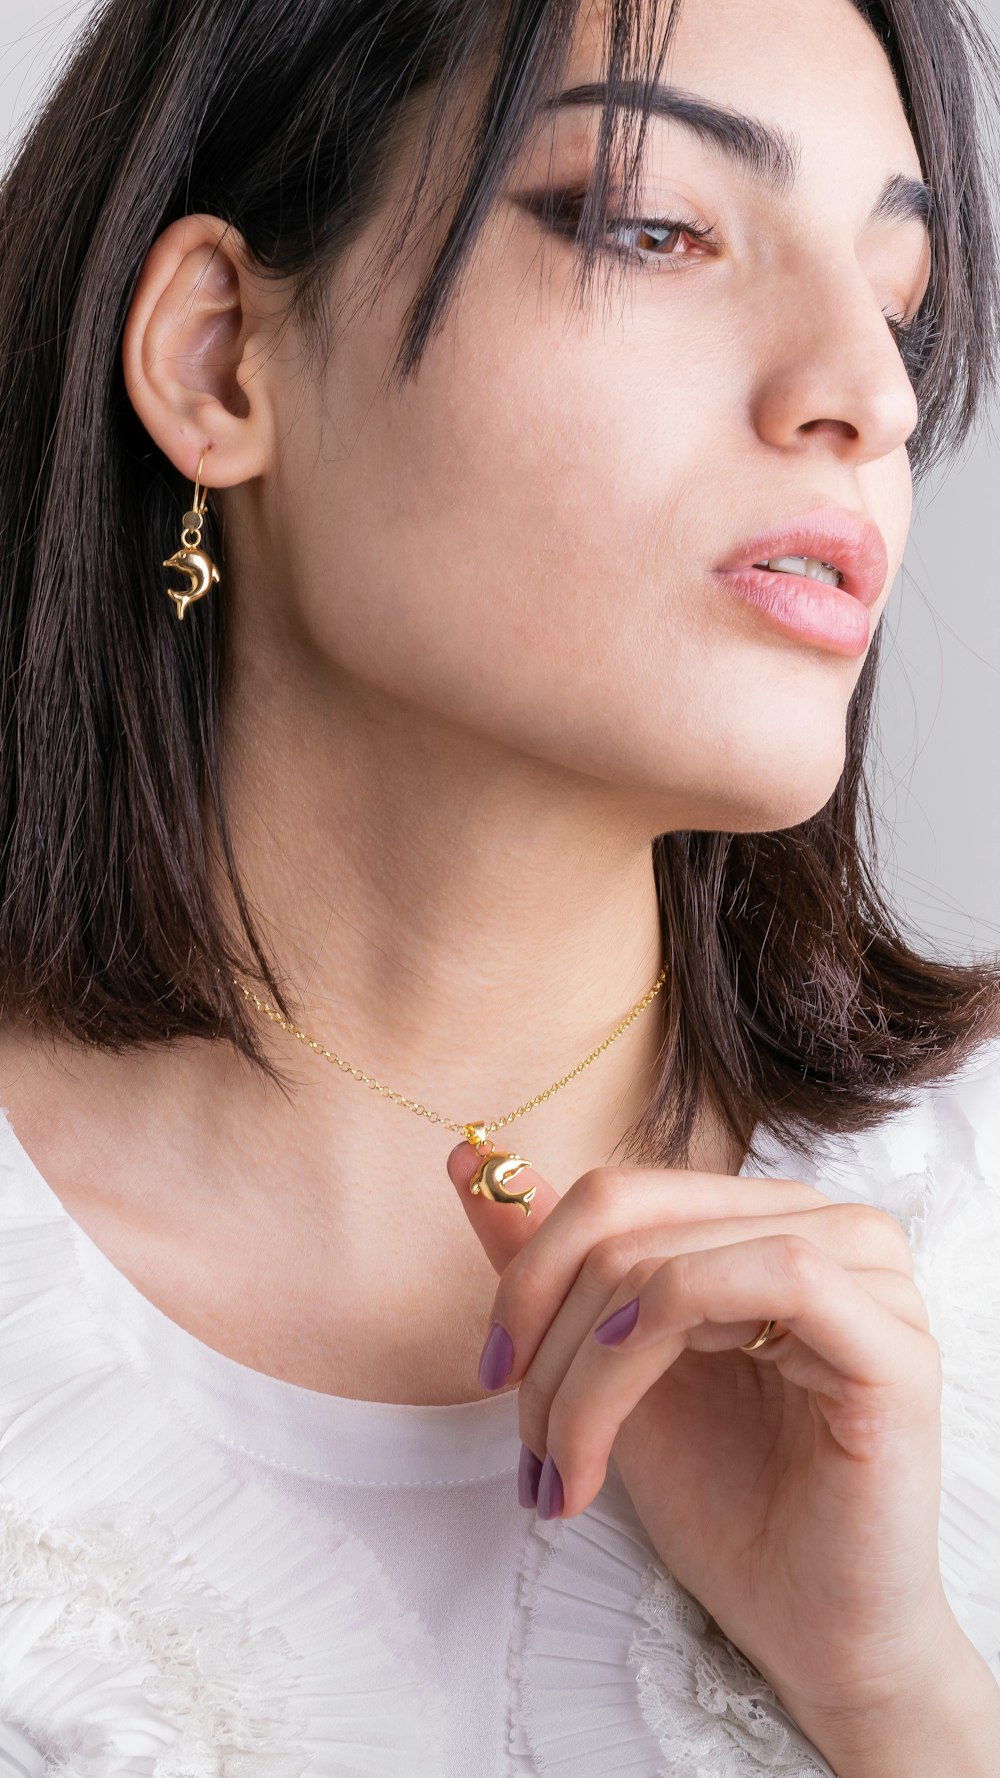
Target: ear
x=193, y=351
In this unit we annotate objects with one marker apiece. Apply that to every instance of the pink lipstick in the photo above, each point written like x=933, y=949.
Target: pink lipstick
x=815, y=576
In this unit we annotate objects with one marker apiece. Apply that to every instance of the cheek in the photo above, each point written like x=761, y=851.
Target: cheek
x=526, y=504
x=523, y=542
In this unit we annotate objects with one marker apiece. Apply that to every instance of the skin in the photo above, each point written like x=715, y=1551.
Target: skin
x=479, y=661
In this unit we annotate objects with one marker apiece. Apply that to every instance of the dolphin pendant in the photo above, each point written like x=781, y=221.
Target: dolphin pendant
x=201, y=571
x=490, y=1178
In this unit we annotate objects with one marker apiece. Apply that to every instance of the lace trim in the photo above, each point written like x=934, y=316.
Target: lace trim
x=636, y=1677
x=695, y=1687
x=115, y=1587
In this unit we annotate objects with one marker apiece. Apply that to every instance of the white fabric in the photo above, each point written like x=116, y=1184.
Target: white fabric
x=206, y=1572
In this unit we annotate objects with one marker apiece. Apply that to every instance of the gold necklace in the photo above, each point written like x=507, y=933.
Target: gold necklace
x=497, y=1167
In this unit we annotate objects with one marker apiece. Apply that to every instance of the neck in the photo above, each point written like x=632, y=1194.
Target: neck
x=456, y=920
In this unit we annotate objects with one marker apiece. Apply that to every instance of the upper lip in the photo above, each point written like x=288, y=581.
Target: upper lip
x=847, y=541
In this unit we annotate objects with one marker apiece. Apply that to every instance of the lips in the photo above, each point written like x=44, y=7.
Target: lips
x=831, y=534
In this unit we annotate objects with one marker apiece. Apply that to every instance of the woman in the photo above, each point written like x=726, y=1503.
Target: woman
x=457, y=459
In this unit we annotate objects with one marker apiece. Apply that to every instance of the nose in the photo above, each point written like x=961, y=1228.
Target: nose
x=831, y=376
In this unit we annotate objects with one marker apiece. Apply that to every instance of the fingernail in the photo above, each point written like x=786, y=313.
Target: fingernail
x=617, y=1327
x=550, y=1491
x=528, y=1471
x=496, y=1358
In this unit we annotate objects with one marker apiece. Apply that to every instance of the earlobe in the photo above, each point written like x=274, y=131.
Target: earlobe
x=188, y=330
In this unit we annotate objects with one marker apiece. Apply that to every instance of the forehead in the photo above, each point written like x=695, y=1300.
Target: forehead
x=813, y=70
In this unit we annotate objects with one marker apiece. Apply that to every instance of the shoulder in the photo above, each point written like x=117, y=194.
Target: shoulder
x=935, y=1167
x=945, y=1138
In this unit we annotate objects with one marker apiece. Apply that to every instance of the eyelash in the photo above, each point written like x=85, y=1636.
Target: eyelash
x=570, y=204
x=911, y=337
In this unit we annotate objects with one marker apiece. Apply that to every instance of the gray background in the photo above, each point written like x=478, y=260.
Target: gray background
x=939, y=712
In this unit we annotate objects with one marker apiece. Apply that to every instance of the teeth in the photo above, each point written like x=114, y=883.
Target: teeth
x=809, y=566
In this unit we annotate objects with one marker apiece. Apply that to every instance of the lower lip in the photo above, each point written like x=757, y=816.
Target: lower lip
x=826, y=616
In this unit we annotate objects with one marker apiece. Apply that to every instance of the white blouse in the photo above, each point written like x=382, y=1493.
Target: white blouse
x=207, y=1572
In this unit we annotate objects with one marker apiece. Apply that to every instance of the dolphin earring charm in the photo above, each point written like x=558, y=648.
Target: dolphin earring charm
x=494, y=1170
x=191, y=560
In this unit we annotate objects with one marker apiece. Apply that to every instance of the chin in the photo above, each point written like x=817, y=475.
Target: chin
x=786, y=806
x=767, y=797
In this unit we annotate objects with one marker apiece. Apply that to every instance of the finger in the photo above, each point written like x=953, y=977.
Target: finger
x=503, y=1229
x=602, y=1201
x=798, y=1363
x=893, y=1289
x=552, y=1298
x=852, y=1235
x=786, y=1277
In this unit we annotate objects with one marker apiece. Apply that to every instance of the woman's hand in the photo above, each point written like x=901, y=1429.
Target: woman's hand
x=795, y=1490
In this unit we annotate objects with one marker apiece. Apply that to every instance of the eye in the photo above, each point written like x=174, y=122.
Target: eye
x=660, y=232
x=659, y=237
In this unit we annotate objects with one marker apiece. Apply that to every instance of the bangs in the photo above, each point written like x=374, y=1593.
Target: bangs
x=485, y=109
x=947, y=72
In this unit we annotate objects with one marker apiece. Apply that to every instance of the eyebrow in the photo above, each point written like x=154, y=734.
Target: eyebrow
x=767, y=154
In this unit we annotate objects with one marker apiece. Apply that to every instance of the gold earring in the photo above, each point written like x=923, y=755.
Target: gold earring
x=191, y=559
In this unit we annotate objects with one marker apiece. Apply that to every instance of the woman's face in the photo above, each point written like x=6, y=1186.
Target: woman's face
x=523, y=543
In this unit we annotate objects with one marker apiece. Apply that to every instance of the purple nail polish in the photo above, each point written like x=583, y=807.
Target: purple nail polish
x=529, y=1469
x=496, y=1358
x=617, y=1327
x=550, y=1491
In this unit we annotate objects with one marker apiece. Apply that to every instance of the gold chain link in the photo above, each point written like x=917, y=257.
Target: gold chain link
x=435, y=1117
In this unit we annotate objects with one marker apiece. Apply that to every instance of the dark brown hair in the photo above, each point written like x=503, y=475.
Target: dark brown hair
x=794, y=999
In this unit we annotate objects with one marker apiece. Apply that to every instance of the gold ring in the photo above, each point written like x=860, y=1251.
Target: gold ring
x=762, y=1337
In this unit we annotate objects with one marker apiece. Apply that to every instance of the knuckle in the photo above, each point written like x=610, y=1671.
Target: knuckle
x=802, y=1261
x=675, y=1274
x=923, y=1376
x=898, y=1294
x=878, y=1234
x=609, y=1260
x=855, y=1217
x=643, y=1269
x=601, y=1190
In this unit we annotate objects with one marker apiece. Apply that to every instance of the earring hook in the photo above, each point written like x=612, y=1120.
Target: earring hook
x=200, y=502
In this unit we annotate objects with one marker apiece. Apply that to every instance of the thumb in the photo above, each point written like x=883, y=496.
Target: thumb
x=503, y=1228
